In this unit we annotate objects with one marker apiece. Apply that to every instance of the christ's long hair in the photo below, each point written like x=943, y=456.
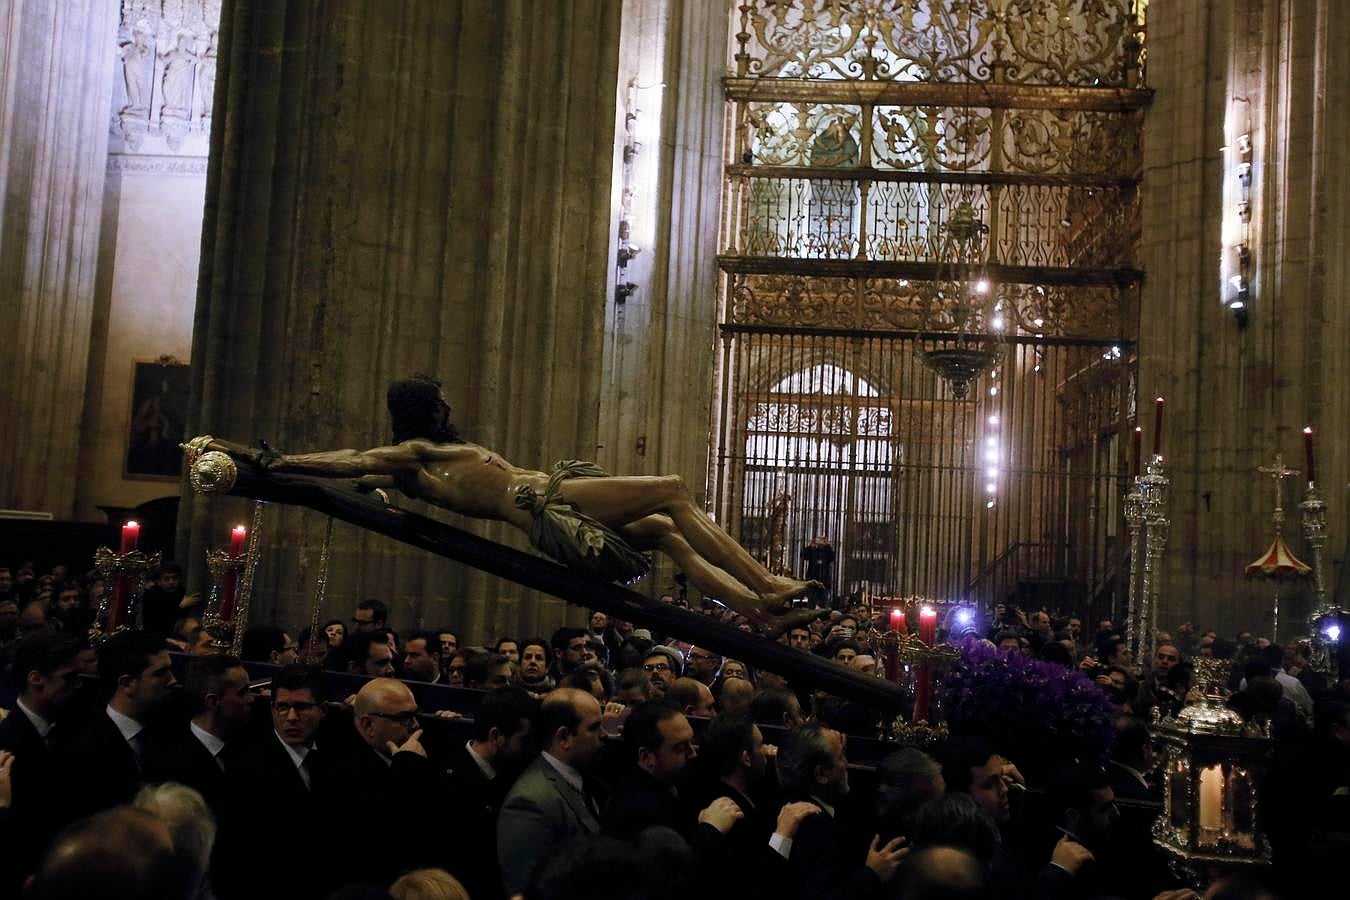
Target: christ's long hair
x=416, y=410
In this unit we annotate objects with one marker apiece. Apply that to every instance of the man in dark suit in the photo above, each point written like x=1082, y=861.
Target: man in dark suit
x=45, y=674
x=659, y=744
x=1086, y=812
x=386, y=763
x=549, y=803
x=822, y=861
x=218, y=699
x=269, y=801
x=480, y=773
x=1132, y=758
x=731, y=755
x=101, y=767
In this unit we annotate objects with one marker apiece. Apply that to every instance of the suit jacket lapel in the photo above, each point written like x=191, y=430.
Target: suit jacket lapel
x=574, y=798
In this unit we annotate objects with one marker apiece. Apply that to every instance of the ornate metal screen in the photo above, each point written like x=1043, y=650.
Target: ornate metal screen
x=857, y=130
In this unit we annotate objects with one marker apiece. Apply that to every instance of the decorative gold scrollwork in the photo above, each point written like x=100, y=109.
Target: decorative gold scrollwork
x=214, y=472
x=1068, y=42
x=889, y=304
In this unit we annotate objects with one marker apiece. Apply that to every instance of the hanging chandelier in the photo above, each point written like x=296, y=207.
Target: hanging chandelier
x=961, y=305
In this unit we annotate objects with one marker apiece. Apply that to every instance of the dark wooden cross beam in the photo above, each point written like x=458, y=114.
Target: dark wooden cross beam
x=342, y=501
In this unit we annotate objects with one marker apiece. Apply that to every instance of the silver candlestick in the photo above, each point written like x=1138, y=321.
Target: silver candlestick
x=1134, y=521
x=1314, y=519
x=1154, y=490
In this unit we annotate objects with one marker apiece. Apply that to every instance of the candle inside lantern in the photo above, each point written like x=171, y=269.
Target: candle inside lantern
x=131, y=536
x=1211, y=798
x=1157, y=425
x=1308, y=453
x=237, y=536
x=1136, y=450
x=898, y=621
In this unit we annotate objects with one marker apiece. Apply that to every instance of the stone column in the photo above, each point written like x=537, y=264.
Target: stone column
x=56, y=64
x=1267, y=68
x=659, y=344
x=394, y=188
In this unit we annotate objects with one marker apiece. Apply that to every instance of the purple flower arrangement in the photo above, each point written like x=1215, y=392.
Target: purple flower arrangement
x=1038, y=714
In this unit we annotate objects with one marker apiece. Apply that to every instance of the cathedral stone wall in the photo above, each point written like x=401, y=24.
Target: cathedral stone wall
x=1273, y=70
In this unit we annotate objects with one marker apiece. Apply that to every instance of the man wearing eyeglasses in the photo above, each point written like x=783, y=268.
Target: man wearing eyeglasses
x=703, y=665
x=385, y=765
x=271, y=796
x=662, y=666
x=370, y=615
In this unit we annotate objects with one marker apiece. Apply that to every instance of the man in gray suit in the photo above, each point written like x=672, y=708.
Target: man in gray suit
x=548, y=803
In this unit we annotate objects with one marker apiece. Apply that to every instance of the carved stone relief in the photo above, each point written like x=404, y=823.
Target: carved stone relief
x=166, y=54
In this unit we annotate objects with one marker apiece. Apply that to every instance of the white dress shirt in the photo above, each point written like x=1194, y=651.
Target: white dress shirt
x=298, y=755
x=569, y=774
x=212, y=743
x=483, y=765
x=131, y=731
x=41, y=725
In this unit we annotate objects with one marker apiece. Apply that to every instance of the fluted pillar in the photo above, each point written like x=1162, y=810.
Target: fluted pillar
x=56, y=63
x=659, y=343
x=1271, y=69
x=404, y=187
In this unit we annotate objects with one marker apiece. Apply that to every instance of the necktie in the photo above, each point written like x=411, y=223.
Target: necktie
x=309, y=764
x=588, y=794
x=137, y=743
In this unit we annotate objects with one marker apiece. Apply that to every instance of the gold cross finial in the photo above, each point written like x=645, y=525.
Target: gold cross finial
x=1279, y=472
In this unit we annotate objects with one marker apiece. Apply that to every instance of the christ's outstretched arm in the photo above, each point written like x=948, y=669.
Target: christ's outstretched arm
x=400, y=459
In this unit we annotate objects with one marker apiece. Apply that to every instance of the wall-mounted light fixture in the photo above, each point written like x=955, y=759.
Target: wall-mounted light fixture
x=1236, y=264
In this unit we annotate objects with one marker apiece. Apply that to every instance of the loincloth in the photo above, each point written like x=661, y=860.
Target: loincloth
x=563, y=532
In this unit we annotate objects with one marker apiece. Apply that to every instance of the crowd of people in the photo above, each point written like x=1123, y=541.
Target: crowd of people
x=600, y=762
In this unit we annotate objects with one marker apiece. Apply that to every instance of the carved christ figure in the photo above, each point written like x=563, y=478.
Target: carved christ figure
x=578, y=514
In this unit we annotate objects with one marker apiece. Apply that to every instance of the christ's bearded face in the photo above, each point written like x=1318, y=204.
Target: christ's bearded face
x=442, y=430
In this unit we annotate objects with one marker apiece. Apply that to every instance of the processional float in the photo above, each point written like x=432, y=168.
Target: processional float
x=215, y=472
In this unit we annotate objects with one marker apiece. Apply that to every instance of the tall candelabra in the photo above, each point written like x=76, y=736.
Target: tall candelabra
x=1154, y=491
x=1134, y=522
x=1314, y=519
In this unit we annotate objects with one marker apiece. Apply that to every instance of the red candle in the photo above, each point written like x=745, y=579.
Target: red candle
x=898, y=621
x=237, y=536
x=1136, y=450
x=1157, y=425
x=229, y=582
x=117, y=601
x=927, y=625
x=131, y=535
x=1308, y=453
x=923, y=678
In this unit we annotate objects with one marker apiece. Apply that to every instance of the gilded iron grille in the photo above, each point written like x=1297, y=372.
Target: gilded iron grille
x=858, y=130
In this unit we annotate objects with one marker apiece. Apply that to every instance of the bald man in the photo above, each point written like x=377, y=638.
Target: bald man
x=549, y=802
x=691, y=697
x=385, y=792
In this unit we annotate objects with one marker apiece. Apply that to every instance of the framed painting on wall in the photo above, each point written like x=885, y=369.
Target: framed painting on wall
x=159, y=401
